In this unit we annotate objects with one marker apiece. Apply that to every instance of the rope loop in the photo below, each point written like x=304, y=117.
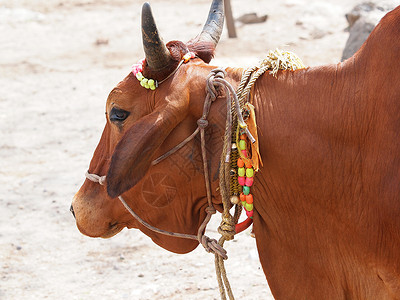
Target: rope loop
x=213, y=84
x=218, y=72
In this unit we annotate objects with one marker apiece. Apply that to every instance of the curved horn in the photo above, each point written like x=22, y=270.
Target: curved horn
x=157, y=54
x=215, y=22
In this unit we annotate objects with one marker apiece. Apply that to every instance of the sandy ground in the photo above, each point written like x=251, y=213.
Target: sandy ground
x=58, y=61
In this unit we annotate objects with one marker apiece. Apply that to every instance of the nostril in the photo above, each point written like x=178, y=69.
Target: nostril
x=71, y=209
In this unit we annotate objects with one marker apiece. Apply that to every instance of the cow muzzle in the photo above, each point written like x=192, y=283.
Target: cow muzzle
x=95, y=217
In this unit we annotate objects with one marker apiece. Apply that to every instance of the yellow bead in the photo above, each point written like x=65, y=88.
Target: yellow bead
x=242, y=144
x=139, y=76
x=249, y=172
x=248, y=206
x=241, y=172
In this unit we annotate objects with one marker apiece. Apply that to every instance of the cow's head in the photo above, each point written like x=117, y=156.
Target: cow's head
x=143, y=124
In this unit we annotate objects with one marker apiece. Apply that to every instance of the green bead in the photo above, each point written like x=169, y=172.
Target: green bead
x=246, y=190
x=248, y=206
x=242, y=144
x=151, y=82
x=241, y=172
x=139, y=76
x=249, y=172
x=152, y=87
x=244, y=202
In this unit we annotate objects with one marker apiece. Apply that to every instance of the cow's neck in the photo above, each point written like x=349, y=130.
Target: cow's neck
x=302, y=120
x=314, y=129
x=329, y=143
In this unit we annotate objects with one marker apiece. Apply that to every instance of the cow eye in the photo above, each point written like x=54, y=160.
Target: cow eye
x=118, y=115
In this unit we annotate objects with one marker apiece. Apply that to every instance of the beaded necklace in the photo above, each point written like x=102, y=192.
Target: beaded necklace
x=152, y=84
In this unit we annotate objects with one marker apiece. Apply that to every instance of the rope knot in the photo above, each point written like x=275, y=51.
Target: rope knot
x=210, y=210
x=202, y=123
x=102, y=180
x=211, y=245
x=96, y=178
x=227, y=227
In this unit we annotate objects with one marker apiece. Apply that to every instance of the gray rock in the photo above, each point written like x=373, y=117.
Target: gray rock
x=252, y=18
x=358, y=11
x=362, y=20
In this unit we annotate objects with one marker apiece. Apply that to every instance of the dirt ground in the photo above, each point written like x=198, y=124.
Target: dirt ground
x=58, y=61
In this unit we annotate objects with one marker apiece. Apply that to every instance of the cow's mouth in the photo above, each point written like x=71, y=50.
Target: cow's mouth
x=113, y=229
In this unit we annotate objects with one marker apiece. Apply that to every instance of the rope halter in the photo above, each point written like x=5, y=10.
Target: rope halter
x=209, y=244
x=215, y=81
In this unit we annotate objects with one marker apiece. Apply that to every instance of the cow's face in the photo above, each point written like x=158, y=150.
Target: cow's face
x=141, y=125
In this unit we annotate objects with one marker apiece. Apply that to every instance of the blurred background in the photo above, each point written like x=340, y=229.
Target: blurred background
x=58, y=62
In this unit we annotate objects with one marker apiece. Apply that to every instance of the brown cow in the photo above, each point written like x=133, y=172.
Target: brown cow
x=327, y=200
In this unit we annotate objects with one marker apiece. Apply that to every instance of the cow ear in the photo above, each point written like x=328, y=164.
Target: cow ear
x=134, y=153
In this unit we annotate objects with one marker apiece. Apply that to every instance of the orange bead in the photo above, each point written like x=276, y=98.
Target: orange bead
x=242, y=197
x=242, y=137
x=248, y=165
x=240, y=163
x=249, y=198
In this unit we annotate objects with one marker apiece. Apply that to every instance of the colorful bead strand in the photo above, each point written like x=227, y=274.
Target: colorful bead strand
x=245, y=178
x=235, y=187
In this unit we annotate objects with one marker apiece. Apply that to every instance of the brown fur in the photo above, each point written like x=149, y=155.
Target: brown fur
x=327, y=201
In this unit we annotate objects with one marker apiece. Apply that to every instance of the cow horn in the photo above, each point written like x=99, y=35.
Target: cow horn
x=213, y=28
x=157, y=54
